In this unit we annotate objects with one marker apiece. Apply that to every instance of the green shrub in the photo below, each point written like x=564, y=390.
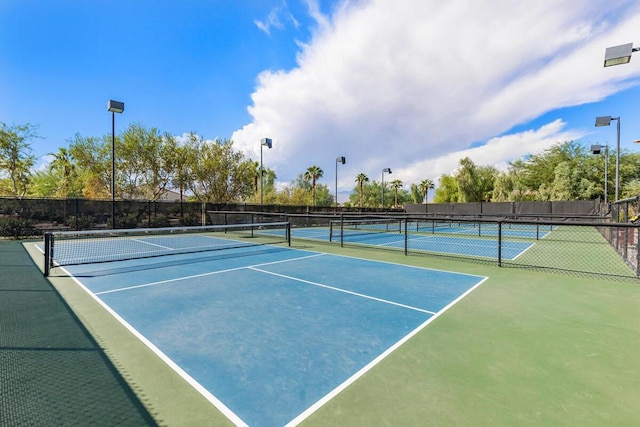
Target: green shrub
x=17, y=227
x=190, y=219
x=159, y=221
x=84, y=222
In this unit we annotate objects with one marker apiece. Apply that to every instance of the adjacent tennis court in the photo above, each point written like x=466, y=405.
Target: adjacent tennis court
x=463, y=241
x=268, y=334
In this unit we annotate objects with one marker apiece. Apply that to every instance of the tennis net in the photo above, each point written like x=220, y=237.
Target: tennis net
x=96, y=246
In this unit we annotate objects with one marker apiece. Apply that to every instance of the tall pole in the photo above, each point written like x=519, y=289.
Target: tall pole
x=269, y=144
x=114, y=107
x=606, y=173
x=342, y=160
x=388, y=170
x=113, y=170
x=383, y=189
x=618, y=162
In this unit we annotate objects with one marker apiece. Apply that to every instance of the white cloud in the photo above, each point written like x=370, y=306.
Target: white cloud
x=412, y=85
x=275, y=19
x=497, y=151
x=272, y=21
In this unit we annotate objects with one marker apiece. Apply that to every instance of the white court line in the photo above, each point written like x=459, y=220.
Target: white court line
x=333, y=393
x=310, y=410
x=153, y=244
x=224, y=409
x=342, y=290
x=211, y=273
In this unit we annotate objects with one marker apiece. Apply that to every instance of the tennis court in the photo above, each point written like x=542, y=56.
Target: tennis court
x=444, y=239
x=266, y=333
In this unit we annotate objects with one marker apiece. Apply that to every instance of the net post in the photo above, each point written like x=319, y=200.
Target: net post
x=341, y=231
x=47, y=253
x=288, y=227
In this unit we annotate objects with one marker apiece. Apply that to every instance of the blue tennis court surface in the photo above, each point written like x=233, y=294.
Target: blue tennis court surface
x=459, y=242
x=269, y=334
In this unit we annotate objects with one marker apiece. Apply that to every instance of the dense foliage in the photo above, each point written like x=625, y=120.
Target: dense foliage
x=150, y=163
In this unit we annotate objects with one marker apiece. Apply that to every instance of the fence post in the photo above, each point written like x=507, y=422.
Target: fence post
x=75, y=214
x=499, y=243
x=406, y=236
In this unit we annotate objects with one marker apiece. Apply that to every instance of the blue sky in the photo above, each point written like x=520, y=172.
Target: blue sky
x=413, y=86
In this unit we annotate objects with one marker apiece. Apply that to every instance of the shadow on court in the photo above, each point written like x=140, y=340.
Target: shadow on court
x=52, y=371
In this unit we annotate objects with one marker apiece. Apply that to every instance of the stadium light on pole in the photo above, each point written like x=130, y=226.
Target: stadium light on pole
x=114, y=107
x=606, y=121
x=597, y=149
x=269, y=144
x=341, y=160
x=387, y=170
x=617, y=55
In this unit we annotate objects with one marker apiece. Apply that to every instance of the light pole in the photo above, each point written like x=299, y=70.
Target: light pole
x=387, y=170
x=341, y=160
x=606, y=121
x=269, y=144
x=114, y=107
x=596, y=149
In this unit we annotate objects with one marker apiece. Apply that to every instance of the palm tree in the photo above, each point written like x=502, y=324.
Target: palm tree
x=62, y=163
x=396, y=184
x=255, y=170
x=361, y=178
x=312, y=174
x=425, y=186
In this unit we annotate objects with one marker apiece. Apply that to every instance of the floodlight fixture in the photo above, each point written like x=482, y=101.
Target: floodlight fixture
x=596, y=149
x=342, y=160
x=114, y=107
x=606, y=121
x=603, y=121
x=617, y=55
x=385, y=170
x=268, y=143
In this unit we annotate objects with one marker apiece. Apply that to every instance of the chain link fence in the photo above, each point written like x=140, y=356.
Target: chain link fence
x=578, y=244
x=571, y=236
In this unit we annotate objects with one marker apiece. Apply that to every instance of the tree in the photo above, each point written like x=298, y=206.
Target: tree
x=312, y=174
x=16, y=159
x=631, y=189
x=361, y=178
x=416, y=194
x=64, y=167
x=219, y=173
x=44, y=183
x=396, y=184
x=181, y=158
x=447, y=191
x=268, y=190
x=425, y=186
x=92, y=157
